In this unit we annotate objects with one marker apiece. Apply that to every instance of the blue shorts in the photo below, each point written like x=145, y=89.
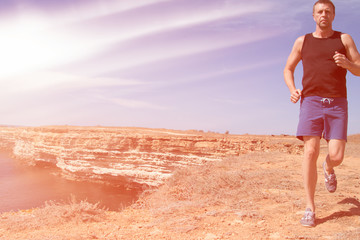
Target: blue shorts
x=323, y=117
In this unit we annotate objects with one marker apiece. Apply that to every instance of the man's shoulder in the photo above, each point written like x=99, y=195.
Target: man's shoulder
x=347, y=40
x=299, y=42
x=343, y=35
x=300, y=39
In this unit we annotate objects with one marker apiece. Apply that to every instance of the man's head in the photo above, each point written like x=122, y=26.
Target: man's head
x=324, y=2
x=324, y=14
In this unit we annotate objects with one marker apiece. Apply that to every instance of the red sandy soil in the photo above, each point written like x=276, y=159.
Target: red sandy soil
x=255, y=196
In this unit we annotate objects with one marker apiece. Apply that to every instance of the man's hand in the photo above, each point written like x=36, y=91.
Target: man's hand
x=341, y=60
x=295, y=95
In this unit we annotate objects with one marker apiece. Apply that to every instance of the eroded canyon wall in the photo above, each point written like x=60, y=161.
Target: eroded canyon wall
x=129, y=155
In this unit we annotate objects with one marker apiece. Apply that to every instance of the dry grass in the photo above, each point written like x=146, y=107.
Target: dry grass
x=52, y=214
x=228, y=182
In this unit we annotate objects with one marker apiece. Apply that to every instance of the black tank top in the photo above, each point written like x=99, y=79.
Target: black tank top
x=322, y=77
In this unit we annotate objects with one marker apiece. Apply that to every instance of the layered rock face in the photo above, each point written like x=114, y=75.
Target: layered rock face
x=134, y=156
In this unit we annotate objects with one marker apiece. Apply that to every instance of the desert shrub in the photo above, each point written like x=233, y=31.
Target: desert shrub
x=52, y=214
x=78, y=211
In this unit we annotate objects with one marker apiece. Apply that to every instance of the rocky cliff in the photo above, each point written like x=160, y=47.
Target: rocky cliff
x=134, y=156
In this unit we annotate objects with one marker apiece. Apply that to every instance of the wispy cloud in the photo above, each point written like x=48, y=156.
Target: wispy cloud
x=183, y=32
x=131, y=103
x=66, y=12
x=212, y=73
x=186, y=18
x=178, y=48
x=59, y=81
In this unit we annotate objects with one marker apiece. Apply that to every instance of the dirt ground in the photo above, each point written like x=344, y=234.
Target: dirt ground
x=255, y=196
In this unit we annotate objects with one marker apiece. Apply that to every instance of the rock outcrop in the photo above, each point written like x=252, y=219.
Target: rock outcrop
x=134, y=156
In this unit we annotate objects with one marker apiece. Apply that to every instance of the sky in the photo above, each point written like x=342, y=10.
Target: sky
x=211, y=65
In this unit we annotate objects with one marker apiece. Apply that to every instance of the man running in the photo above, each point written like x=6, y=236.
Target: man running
x=326, y=56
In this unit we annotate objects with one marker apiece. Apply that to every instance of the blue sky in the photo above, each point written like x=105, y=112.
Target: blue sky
x=212, y=65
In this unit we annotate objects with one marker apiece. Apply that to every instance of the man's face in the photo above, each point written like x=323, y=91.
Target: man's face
x=323, y=15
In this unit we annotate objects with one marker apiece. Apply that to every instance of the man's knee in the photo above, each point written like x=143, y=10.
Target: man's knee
x=336, y=158
x=336, y=152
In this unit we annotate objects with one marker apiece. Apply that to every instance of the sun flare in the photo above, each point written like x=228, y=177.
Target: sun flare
x=30, y=44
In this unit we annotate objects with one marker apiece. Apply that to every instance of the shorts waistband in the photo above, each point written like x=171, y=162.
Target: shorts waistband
x=327, y=100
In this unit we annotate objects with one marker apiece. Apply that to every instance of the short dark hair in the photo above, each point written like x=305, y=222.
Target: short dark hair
x=326, y=2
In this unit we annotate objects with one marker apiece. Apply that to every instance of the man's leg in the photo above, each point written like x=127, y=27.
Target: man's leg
x=311, y=154
x=333, y=159
x=336, y=154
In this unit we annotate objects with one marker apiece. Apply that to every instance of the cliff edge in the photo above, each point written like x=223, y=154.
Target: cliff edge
x=133, y=156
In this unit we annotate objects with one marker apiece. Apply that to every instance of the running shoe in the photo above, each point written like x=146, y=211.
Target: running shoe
x=308, y=220
x=330, y=180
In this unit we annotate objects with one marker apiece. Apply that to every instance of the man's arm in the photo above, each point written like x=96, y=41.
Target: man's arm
x=351, y=61
x=292, y=61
